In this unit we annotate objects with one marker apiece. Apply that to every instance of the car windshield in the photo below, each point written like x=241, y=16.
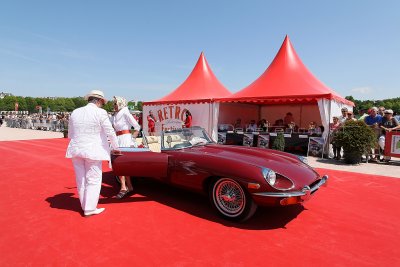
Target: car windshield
x=186, y=137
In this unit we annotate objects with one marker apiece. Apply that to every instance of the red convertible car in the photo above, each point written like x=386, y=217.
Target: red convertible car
x=236, y=178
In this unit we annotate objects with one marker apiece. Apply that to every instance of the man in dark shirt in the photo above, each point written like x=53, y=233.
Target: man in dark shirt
x=388, y=124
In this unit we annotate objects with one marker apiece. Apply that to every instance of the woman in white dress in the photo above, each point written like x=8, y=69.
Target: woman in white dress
x=122, y=122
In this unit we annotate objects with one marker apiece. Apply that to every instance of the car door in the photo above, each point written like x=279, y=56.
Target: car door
x=140, y=162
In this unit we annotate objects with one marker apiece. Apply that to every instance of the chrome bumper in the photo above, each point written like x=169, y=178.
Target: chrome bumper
x=304, y=193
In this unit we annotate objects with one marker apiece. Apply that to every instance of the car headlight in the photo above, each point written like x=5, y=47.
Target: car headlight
x=269, y=175
x=277, y=180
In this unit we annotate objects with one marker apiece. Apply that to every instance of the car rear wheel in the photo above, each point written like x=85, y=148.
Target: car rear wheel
x=231, y=200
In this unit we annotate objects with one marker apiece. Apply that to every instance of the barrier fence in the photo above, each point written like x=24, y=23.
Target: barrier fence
x=37, y=124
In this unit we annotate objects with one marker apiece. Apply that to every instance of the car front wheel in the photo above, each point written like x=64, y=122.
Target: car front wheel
x=231, y=200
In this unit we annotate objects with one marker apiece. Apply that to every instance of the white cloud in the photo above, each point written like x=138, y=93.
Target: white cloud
x=362, y=90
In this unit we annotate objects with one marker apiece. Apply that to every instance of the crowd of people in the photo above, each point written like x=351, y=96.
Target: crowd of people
x=381, y=120
x=287, y=124
x=36, y=121
x=57, y=122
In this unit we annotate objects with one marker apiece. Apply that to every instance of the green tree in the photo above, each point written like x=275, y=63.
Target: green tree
x=43, y=102
x=31, y=104
x=2, y=105
x=109, y=106
x=59, y=104
x=69, y=104
x=9, y=103
x=79, y=102
x=21, y=103
x=139, y=106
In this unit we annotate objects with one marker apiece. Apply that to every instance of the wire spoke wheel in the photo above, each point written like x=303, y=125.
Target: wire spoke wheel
x=229, y=197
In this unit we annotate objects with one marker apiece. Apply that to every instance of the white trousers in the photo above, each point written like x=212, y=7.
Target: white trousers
x=381, y=142
x=88, y=181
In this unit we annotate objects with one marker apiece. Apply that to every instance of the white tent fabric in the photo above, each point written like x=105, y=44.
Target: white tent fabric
x=328, y=109
x=324, y=106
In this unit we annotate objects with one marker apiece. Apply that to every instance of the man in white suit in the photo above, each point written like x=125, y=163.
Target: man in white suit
x=88, y=129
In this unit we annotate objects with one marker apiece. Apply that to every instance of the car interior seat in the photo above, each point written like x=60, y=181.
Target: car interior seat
x=173, y=140
x=154, y=143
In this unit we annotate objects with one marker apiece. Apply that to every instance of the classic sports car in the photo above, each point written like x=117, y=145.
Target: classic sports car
x=236, y=178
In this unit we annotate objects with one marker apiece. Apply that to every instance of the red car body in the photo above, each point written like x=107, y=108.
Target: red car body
x=198, y=167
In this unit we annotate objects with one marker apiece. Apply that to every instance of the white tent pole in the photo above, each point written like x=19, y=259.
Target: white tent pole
x=329, y=121
x=210, y=118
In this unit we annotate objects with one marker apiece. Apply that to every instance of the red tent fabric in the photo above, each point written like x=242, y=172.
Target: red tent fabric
x=200, y=86
x=287, y=80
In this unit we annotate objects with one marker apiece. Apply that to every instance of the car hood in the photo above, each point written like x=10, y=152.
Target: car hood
x=284, y=163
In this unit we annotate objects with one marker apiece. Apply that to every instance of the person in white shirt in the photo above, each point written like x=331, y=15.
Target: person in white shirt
x=123, y=121
x=88, y=129
x=252, y=127
x=343, y=118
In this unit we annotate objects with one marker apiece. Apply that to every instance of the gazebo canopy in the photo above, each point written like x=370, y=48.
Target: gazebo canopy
x=286, y=80
x=200, y=86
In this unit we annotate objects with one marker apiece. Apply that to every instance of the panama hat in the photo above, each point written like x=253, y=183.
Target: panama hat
x=388, y=111
x=97, y=94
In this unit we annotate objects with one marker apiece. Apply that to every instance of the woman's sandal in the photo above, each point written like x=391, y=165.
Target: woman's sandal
x=122, y=193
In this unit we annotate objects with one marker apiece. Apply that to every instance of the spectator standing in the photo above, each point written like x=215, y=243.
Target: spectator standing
x=334, y=127
x=397, y=116
x=350, y=116
x=381, y=111
x=388, y=124
x=343, y=118
x=374, y=120
x=363, y=113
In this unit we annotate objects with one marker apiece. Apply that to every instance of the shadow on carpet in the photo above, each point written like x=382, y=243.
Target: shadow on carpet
x=195, y=204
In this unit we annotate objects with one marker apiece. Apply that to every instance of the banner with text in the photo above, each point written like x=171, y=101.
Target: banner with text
x=174, y=116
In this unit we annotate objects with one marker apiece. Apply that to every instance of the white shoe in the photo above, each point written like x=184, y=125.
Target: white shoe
x=94, y=212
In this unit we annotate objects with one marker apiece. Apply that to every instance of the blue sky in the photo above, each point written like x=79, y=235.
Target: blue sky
x=145, y=49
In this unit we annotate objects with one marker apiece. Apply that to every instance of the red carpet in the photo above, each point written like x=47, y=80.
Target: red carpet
x=352, y=222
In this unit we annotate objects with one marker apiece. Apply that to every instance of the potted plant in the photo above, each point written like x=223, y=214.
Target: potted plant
x=279, y=142
x=357, y=139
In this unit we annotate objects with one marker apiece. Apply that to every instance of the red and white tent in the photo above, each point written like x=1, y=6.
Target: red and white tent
x=287, y=86
x=196, y=94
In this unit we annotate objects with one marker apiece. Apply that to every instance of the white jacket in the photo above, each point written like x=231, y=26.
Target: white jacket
x=123, y=120
x=88, y=129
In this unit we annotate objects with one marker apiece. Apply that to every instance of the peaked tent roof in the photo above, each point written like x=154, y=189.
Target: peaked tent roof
x=200, y=86
x=287, y=79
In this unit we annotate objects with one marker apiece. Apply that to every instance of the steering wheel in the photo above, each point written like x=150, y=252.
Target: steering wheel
x=182, y=145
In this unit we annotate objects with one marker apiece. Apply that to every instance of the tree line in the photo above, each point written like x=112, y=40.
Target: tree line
x=364, y=105
x=63, y=104
x=59, y=104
